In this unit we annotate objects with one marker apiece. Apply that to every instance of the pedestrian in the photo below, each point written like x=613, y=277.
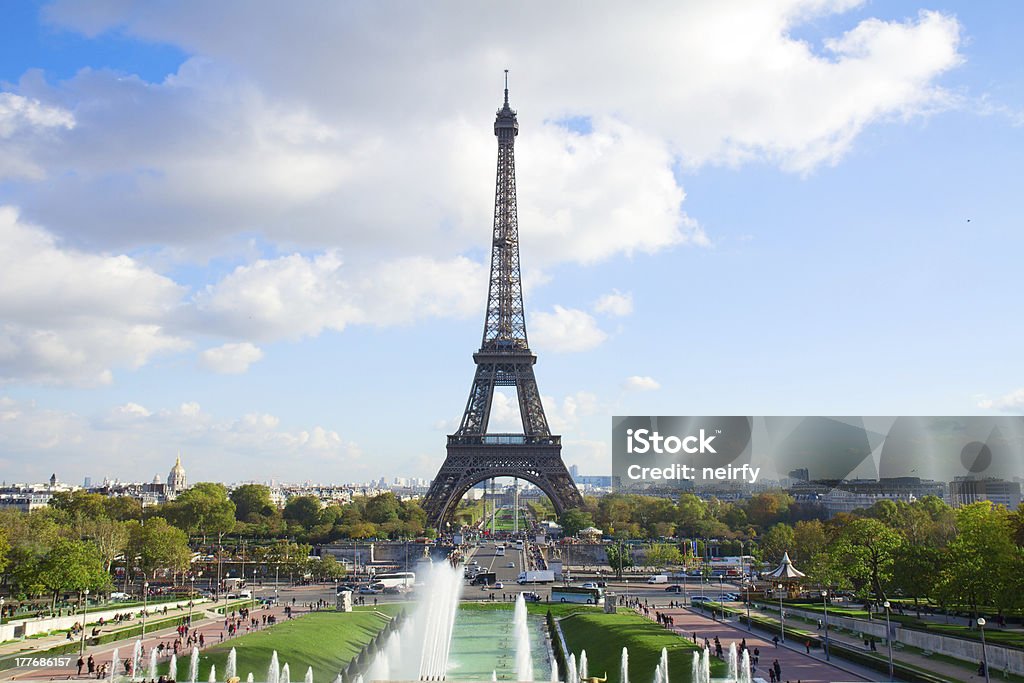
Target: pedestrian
x=757, y=655
x=81, y=663
x=808, y=646
x=775, y=639
x=91, y=665
x=771, y=675
x=778, y=670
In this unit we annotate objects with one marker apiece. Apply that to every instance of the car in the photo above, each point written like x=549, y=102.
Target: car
x=369, y=590
x=530, y=596
x=729, y=597
x=674, y=588
x=473, y=563
x=511, y=565
x=344, y=589
x=589, y=584
x=699, y=598
x=120, y=596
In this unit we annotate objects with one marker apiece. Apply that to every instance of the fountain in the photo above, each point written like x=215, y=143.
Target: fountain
x=136, y=656
x=624, y=668
x=274, y=670
x=733, y=663
x=231, y=667
x=583, y=664
x=661, y=671
x=213, y=674
x=151, y=673
x=172, y=668
x=494, y=675
x=524, y=662
x=695, y=669
x=705, y=666
x=115, y=662
x=193, y=665
x=439, y=621
x=286, y=674
x=573, y=673
x=744, y=674
x=309, y=675
x=248, y=679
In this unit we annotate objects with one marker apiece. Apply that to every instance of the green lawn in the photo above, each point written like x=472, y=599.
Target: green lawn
x=604, y=635
x=506, y=520
x=327, y=641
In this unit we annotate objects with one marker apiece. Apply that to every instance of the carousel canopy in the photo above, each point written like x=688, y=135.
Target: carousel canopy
x=785, y=571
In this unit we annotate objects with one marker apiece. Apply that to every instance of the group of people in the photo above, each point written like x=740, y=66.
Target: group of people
x=89, y=665
x=665, y=620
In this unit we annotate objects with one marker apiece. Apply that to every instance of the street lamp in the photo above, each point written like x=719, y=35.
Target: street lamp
x=85, y=613
x=888, y=635
x=984, y=652
x=782, y=615
x=191, y=598
x=746, y=587
x=253, y=591
x=824, y=603
x=145, y=596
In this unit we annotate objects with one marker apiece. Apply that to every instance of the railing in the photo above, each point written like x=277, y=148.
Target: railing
x=503, y=440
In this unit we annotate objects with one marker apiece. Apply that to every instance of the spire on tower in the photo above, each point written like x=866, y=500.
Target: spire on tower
x=506, y=87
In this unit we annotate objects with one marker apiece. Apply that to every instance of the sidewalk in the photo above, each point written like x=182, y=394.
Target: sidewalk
x=932, y=664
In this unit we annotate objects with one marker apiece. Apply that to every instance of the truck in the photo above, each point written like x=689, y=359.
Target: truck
x=658, y=578
x=536, y=576
x=489, y=578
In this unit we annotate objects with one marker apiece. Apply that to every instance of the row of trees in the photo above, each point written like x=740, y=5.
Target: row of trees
x=971, y=557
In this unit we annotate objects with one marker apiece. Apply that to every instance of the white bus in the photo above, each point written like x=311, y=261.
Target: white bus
x=589, y=596
x=394, y=580
x=499, y=550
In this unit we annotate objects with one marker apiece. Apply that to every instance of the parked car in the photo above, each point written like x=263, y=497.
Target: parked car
x=674, y=588
x=499, y=585
x=369, y=590
x=511, y=565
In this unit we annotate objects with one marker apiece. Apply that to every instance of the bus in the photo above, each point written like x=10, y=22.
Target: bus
x=499, y=550
x=588, y=596
x=394, y=580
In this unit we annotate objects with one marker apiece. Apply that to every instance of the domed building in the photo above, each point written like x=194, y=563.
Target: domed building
x=176, y=482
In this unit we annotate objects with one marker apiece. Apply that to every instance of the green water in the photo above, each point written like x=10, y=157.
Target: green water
x=483, y=641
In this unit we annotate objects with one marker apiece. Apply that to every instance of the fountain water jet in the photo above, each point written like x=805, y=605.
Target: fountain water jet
x=733, y=663
x=274, y=670
x=745, y=675
x=115, y=662
x=309, y=675
x=248, y=679
x=213, y=674
x=286, y=674
x=573, y=674
x=172, y=668
x=583, y=663
x=438, y=620
x=524, y=662
x=705, y=666
x=624, y=667
x=231, y=667
x=193, y=665
x=151, y=672
x=136, y=656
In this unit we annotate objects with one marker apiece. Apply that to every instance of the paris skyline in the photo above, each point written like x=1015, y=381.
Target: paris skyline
x=270, y=255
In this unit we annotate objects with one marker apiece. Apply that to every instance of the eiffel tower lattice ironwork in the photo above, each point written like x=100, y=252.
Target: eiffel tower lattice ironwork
x=504, y=359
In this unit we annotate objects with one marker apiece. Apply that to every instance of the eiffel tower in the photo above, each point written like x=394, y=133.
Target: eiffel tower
x=504, y=360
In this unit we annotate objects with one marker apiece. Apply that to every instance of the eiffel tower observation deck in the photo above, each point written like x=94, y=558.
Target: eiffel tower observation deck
x=504, y=360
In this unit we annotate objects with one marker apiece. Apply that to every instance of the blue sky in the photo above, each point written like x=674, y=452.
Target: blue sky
x=256, y=234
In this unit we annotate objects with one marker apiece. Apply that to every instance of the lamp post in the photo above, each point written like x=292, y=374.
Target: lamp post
x=191, y=598
x=824, y=604
x=145, y=599
x=782, y=615
x=85, y=613
x=984, y=651
x=888, y=635
x=253, y=588
x=746, y=586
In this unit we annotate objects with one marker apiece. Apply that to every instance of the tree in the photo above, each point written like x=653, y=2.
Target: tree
x=72, y=565
x=574, y=520
x=5, y=549
x=252, y=500
x=663, y=554
x=328, y=568
x=382, y=508
x=204, y=509
x=79, y=504
x=123, y=508
x=981, y=563
x=110, y=538
x=808, y=540
x=303, y=509
x=619, y=558
x=779, y=540
x=155, y=545
x=866, y=549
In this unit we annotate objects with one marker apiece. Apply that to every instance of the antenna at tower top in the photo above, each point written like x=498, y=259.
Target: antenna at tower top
x=506, y=87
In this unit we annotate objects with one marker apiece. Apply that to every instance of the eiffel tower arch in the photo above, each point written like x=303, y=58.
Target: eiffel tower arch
x=504, y=360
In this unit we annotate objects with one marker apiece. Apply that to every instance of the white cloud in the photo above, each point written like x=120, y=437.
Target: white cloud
x=295, y=296
x=615, y=303
x=641, y=383
x=71, y=316
x=230, y=359
x=24, y=121
x=565, y=330
x=309, y=135
x=1012, y=402
x=132, y=442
